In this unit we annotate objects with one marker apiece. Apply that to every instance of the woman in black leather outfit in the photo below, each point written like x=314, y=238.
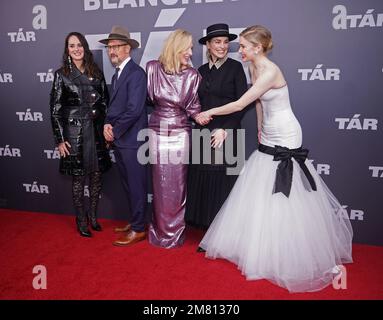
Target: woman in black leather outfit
x=78, y=102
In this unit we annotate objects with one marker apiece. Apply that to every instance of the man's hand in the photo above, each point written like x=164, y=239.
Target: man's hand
x=108, y=132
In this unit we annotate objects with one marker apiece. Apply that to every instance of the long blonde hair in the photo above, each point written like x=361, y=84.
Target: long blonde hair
x=177, y=42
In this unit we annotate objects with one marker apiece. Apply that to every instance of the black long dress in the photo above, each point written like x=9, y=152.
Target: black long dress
x=208, y=184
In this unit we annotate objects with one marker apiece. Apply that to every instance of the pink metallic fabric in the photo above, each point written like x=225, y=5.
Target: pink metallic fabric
x=175, y=100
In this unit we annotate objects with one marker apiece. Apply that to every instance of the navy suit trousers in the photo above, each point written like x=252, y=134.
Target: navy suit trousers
x=134, y=180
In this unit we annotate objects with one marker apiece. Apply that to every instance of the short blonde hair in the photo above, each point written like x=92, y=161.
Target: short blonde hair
x=177, y=42
x=258, y=35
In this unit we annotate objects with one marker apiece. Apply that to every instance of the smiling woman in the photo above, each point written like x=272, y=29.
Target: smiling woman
x=76, y=51
x=223, y=81
x=79, y=98
x=172, y=88
x=280, y=222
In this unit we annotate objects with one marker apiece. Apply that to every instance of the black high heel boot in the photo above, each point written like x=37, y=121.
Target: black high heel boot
x=93, y=221
x=82, y=227
x=78, y=200
x=94, y=196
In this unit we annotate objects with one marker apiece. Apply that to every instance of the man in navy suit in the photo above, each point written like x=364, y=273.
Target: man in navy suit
x=126, y=116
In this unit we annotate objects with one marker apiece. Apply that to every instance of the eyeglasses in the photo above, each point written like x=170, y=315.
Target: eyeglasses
x=115, y=47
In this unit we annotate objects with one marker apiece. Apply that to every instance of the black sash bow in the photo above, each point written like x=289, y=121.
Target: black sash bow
x=284, y=175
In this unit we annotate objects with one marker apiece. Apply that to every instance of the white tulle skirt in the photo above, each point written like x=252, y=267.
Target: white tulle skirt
x=295, y=242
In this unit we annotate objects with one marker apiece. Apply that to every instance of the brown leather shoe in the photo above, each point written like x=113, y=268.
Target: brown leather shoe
x=127, y=228
x=130, y=238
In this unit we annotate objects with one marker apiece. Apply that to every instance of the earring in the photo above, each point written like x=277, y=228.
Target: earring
x=256, y=52
x=70, y=63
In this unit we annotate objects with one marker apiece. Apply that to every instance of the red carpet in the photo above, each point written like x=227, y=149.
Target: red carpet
x=81, y=268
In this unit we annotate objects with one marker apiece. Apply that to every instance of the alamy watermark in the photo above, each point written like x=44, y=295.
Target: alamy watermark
x=40, y=280
x=168, y=145
x=340, y=278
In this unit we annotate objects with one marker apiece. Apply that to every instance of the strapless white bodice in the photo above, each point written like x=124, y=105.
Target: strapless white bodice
x=279, y=124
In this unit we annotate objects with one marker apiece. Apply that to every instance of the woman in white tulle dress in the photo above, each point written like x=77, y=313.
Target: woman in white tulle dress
x=280, y=221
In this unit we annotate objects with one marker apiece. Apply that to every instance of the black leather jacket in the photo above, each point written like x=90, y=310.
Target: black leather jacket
x=78, y=108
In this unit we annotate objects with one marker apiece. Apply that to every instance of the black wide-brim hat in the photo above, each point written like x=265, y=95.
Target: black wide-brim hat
x=120, y=33
x=217, y=30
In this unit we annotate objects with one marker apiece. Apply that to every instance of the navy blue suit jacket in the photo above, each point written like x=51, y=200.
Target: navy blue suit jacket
x=127, y=106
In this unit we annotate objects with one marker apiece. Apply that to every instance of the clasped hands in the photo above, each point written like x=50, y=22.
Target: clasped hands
x=203, y=118
x=218, y=136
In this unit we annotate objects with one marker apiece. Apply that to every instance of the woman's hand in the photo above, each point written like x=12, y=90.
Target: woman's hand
x=63, y=149
x=218, y=137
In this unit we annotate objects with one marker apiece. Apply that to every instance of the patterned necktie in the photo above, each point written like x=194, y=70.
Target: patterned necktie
x=115, y=78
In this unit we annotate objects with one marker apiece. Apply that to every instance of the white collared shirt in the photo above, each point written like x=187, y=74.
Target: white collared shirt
x=122, y=65
x=218, y=63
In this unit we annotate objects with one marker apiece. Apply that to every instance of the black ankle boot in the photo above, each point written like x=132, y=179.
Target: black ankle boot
x=82, y=227
x=93, y=221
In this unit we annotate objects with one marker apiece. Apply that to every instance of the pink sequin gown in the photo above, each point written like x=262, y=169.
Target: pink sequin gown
x=175, y=100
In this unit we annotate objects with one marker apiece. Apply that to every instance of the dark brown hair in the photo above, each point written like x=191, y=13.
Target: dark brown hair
x=91, y=68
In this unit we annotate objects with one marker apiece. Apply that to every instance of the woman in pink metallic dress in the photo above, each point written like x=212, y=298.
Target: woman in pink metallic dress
x=172, y=88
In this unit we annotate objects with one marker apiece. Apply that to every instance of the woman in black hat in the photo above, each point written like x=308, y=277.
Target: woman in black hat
x=78, y=102
x=223, y=81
